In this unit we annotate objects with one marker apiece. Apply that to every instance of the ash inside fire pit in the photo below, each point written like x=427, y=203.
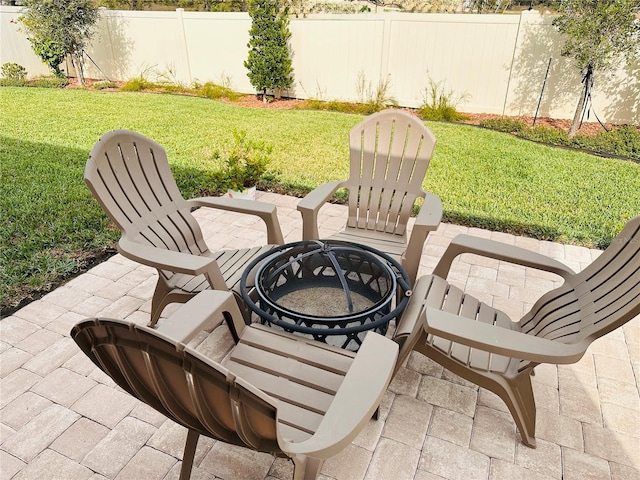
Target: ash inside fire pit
x=323, y=302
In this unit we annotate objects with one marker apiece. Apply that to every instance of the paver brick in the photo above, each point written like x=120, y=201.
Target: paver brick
x=63, y=386
x=147, y=463
x=350, y=464
x=559, y=429
x=120, y=445
x=503, y=470
x=79, y=439
x=50, y=464
x=621, y=419
x=9, y=465
x=493, y=434
x=170, y=439
x=6, y=432
x=369, y=437
x=38, y=341
x=451, y=426
x=23, y=409
x=15, y=384
x=89, y=282
x=12, y=359
x=445, y=394
x=408, y=421
x=14, y=329
x=581, y=466
x=623, y=472
x=546, y=397
x=64, y=323
x=121, y=308
x=405, y=382
x=92, y=306
x=67, y=297
x=40, y=312
x=545, y=459
x=144, y=412
x=105, y=405
x=111, y=270
x=52, y=357
x=619, y=393
x=393, y=460
x=230, y=461
x=452, y=461
x=36, y=435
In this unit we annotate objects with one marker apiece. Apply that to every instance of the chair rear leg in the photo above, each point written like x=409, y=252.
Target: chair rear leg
x=189, y=454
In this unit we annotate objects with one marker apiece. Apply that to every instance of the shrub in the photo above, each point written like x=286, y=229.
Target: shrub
x=214, y=91
x=104, y=84
x=13, y=82
x=49, y=82
x=374, y=100
x=440, y=104
x=623, y=141
x=13, y=71
x=138, y=84
x=548, y=135
x=269, y=61
x=244, y=164
x=337, y=106
x=507, y=125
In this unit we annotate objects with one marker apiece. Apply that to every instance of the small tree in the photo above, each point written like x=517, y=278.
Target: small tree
x=599, y=33
x=57, y=28
x=269, y=61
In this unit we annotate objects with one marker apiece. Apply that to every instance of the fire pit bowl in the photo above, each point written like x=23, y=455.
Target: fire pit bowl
x=327, y=290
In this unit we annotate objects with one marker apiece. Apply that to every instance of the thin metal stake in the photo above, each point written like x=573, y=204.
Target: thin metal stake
x=546, y=75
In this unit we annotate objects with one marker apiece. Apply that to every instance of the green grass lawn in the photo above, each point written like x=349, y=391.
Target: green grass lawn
x=51, y=227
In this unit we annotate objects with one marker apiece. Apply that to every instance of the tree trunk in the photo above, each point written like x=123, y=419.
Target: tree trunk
x=76, y=60
x=577, y=117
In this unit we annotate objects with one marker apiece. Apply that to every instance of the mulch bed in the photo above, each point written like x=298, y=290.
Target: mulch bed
x=255, y=101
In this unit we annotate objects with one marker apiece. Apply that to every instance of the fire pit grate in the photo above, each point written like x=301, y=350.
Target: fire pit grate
x=330, y=291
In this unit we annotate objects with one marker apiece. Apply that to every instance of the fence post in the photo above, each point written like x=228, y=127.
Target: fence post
x=516, y=42
x=183, y=41
x=386, y=46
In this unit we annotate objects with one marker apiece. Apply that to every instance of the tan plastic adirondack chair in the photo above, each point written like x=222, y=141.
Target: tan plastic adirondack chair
x=129, y=176
x=482, y=344
x=389, y=155
x=275, y=392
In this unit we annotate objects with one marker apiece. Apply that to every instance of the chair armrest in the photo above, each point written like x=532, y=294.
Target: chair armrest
x=209, y=307
x=164, y=259
x=310, y=205
x=427, y=220
x=499, y=340
x=500, y=251
x=266, y=211
x=170, y=260
x=355, y=402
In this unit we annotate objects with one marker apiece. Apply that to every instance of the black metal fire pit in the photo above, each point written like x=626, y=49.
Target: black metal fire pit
x=330, y=291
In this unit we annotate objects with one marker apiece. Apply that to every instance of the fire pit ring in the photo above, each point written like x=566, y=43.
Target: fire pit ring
x=327, y=290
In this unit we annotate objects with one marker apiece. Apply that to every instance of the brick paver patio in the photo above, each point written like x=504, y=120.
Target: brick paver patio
x=62, y=418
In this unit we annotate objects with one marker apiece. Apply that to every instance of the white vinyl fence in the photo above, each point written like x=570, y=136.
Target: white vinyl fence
x=491, y=63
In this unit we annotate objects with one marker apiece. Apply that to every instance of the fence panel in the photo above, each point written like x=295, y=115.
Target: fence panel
x=497, y=62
